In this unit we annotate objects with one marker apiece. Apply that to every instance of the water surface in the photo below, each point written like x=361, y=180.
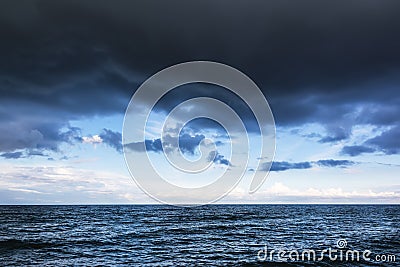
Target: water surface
x=214, y=235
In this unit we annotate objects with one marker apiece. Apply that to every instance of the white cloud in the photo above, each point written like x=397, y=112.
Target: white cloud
x=95, y=139
x=279, y=192
x=66, y=184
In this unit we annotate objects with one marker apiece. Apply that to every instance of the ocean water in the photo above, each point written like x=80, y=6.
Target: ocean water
x=214, y=235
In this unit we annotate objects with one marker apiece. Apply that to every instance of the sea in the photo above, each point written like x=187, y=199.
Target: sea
x=212, y=235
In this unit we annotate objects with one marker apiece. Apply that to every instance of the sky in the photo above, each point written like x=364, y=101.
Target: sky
x=329, y=70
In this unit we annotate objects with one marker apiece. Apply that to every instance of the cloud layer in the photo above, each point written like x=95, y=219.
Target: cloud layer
x=278, y=166
x=311, y=65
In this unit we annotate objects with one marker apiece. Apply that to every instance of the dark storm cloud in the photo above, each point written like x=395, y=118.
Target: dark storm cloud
x=154, y=145
x=278, y=166
x=111, y=138
x=220, y=159
x=35, y=134
x=217, y=158
x=23, y=154
x=336, y=134
x=334, y=163
x=356, y=150
x=334, y=63
x=187, y=144
x=388, y=143
x=283, y=166
x=31, y=153
x=12, y=155
x=150, y=145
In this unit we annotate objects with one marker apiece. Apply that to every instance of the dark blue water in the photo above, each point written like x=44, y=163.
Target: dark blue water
x=215, y=235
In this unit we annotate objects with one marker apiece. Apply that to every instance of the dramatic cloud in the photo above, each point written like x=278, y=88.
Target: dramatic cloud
x=23, y=154
x=217, y=158
x=187, y=144
x=108, y=137
x=334, y=163
x=154, y=145
x=278, y=166
x=12, y=155
x=220, y=159
x=111, y=138
x=312, y=66
x=356, y=150
x=47, y=52
x=388, y=142
x=149, y=145
x=336, y=134
x=35, y=134
x=283, y=166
